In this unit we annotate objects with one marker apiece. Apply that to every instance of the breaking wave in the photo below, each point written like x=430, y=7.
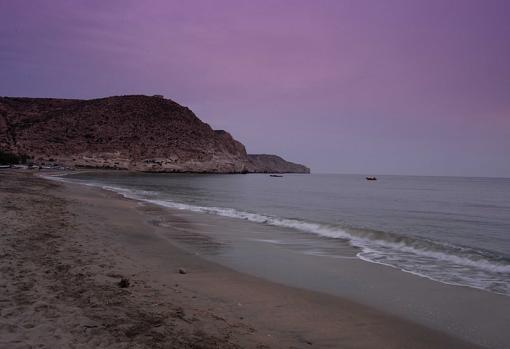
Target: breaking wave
x=435, y=260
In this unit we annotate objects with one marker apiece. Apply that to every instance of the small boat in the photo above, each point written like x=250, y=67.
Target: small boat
x=275, y=175
x=371, y=178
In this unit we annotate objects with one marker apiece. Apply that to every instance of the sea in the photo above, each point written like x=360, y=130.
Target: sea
x=452, y=230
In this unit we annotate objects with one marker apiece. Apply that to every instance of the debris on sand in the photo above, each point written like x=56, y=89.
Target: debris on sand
x=124, y=283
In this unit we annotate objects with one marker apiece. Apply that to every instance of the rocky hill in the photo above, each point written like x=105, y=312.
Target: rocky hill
x=265, y=163
x=137, y=133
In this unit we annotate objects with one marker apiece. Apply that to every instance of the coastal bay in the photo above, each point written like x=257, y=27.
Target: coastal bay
x=254, y=174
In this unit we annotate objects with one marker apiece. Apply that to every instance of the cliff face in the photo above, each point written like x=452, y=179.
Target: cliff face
x=264, y=163
x=138, y=133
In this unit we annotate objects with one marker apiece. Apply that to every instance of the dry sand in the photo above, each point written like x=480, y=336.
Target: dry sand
x=64, y=248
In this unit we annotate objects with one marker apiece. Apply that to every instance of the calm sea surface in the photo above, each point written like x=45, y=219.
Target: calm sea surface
x=449, y=229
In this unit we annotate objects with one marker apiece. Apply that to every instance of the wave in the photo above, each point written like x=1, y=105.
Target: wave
x=444, y=262
x=358, y=238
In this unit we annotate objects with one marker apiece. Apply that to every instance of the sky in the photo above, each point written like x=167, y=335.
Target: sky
x=370, y=87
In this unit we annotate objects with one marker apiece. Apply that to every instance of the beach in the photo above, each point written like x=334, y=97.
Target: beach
x=255, y=174
x=66, y=247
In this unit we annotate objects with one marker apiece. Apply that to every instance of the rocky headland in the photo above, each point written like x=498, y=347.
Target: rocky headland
x=266, y=163
x=136, y=132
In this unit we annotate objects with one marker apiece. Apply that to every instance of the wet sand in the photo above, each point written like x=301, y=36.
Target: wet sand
x=64, y=248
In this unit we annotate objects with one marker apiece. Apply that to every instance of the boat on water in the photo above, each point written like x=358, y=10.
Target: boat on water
x=371, y=178
x=275, y=175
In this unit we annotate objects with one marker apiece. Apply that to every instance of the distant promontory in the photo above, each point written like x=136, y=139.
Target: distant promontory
x=136, y=132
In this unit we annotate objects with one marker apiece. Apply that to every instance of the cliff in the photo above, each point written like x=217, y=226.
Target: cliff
x=137, y=133
x=265, y=163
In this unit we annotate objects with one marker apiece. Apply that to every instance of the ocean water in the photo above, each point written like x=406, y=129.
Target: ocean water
x=452, y=230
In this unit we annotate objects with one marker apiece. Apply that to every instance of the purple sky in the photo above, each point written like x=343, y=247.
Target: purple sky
x=403, y=87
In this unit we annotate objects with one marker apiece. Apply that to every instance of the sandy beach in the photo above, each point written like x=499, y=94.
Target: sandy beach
x=64, y=248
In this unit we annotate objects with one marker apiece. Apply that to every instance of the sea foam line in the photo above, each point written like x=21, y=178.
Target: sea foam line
x=363, y=243
x=371, y=245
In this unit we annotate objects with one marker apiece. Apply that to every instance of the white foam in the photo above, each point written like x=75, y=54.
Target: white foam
x=336, y=232
x=437, y=266
x=270, y=241
x=424, y=258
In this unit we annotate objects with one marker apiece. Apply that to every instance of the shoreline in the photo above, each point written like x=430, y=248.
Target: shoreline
x=75, y=243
